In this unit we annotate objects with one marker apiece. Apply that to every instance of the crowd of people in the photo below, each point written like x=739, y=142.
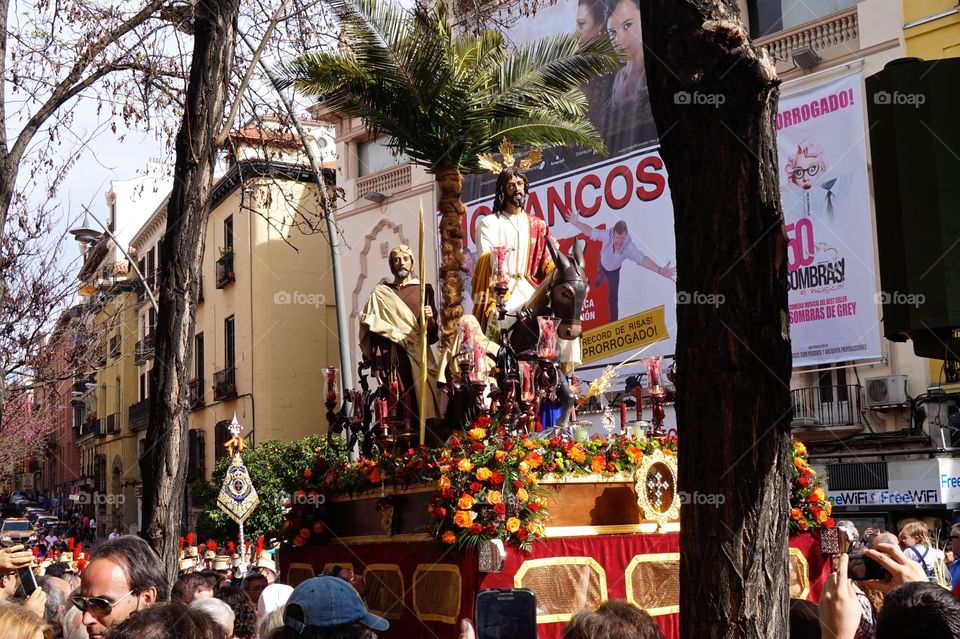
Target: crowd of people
x=122, y=592
x=917, y=596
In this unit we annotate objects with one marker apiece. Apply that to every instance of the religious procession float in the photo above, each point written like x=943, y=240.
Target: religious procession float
x=509, y=488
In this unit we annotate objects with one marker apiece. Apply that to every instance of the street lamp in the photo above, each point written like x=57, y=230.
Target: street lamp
x=87, y=237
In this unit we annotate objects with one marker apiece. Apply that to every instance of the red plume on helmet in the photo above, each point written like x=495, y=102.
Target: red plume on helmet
x=191, y=539
x=212, y=545
x=182, y=540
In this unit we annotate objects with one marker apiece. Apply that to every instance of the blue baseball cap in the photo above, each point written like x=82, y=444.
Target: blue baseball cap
x=321, y=602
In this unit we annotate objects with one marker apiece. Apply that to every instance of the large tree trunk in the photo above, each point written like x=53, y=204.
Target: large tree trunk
x=164, y=465
x=452, y=211
x=733, y=348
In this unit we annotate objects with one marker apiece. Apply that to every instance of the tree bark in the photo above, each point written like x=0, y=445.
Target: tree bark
x=164, y=464
x=714, y=98
x=452, y=211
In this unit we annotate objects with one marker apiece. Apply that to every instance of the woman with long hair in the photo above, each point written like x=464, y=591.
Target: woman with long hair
x=19, y=623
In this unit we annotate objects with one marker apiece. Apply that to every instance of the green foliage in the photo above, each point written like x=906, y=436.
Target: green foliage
x=276, y=470
x=444, y=97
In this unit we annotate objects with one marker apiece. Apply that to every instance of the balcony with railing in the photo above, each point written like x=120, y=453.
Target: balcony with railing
x=385, y=182
x=832, y=37
x=225, y=273
x=225, y=384
x=139, y=415
x=196, y=394
x=113, y=424
x=143, y=350
x=88, y=427
x=827, y=412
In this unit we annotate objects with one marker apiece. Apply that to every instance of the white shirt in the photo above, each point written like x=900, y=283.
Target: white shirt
x=610, y=259
x=513, y=232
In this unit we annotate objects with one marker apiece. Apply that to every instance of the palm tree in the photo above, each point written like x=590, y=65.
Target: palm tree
x=444, y=98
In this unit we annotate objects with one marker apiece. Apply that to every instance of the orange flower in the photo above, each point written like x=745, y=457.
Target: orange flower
x=577, y=453
x=535, y=460
x=494, y=497
x=513, y=524
x=530, y=444
x=464, y=518
x=828, y=508
x=531, y=479
x=667, y=451
x=448, y=537
x=443, y=482
x=477, y=434
x=500, y=455
x=803, y=524
x=799, y=448
x=795, y=513
x=523, y=466
x=374, y=476
x=535, y=528
x=822, y=517
x=634, y=453
x=466, y=502
x=522, y=494
x=598, y=464
x=816, y=495
x=465, y=465
x=798, y=462
x=307, y=473
x=484, y=473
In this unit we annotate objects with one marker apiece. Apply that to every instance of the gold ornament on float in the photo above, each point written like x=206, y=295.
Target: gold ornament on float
x=656, y=488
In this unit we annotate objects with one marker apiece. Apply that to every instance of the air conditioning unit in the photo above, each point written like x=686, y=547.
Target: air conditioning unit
x=886, y=391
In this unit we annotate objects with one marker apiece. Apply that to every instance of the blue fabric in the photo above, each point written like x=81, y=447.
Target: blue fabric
x=954, y=573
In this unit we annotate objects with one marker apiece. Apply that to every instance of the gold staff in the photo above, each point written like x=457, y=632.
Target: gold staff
x=422, y=395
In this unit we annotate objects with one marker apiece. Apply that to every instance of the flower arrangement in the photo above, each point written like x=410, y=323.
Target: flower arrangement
x=487, y=481
x=809, y=507
x=488, y=489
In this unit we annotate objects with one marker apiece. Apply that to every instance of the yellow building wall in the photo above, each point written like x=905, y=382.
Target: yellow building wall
x=117, y=390
x=935, y=39
x=284, y=316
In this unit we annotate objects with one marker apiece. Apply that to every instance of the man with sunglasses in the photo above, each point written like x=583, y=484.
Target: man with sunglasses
x=955, y=546
x=124, y=576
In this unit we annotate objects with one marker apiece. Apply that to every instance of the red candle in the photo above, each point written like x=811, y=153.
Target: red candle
x=623, y=416
x=331, y=384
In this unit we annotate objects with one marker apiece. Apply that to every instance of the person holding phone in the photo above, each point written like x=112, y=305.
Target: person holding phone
x=12, y=588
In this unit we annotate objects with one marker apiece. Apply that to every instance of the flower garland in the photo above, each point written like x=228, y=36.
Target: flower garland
x=809, y=507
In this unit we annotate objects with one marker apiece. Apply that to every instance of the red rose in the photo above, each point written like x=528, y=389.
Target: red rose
x=483, y=421
x=477, y=446
x=534, y=507
x=517, y=483
x=440, y=512
x=476, y=529
x=475, y=487
x=500, y=509
x=490, y=530
x=446, y=493
x=522, y=534
x=455, y=442
x=508, y=445
x=614, y=455
x=496, y=478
